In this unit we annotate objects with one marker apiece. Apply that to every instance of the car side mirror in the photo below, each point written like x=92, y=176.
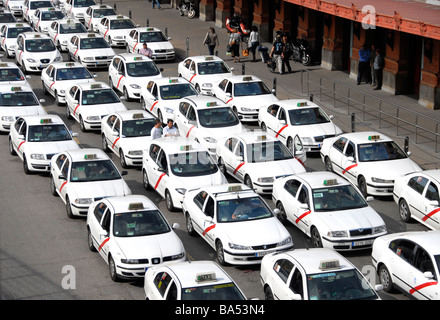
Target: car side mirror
x=303, y=205
x=433, y=203
x=428, y=274
x=370, y=198
x=175, y=225
x=331, y=117
x=282, y=122
x=408, y=153
x=103, y=233
x=62, y=177
x=294, y=296
x=351, y=159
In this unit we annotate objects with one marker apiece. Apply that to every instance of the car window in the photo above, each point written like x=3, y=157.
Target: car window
x=154, y=151
x=283, y=268
x=340, y=144
x=162, y=161
x=403, y=248
x=303, y=196
x=296, y=283
x=99, y=211
x=60, y=161
x=423, y=262
x=65, y=168
x=432, y=192
x=350, y=151
x=418, y=184
x=209, y=207
x=292, y=186
x=161, y=282
x=200, y=198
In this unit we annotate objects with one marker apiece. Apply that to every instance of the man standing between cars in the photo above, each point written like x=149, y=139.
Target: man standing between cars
x=146, y=51
x=156, y=132
x=170, y=130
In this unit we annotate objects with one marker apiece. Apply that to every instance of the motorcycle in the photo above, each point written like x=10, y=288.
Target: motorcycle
x=187, y=7
x=301, y=51
x=237, y=23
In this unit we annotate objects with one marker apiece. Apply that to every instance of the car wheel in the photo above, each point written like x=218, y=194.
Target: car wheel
x=263, y=127
x=25, y=165
x=69, y=209
x=316, y=238
x=53, y=189
x=282, y=215
x=222, y=166
x=145, y=180
x=189, y=226
x=248, y=182
x=169, y=201
x=404, y=212
x=268, y=295
x=57, y=99
x=122, y=159
x=110, y=83
x=90, y=241
x=82, y=125
x=362, y=184
x=46, y=93
x=385, y=279
x=68, y=115
x=11, y=148
x=104, y=144
x=220, y=253
x=328, y=164
x=112, y=269
x=127, y=97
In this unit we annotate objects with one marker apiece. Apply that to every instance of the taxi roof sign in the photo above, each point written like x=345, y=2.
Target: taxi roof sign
x=19, y=24
x=138, y=115
x=329, y=264
x=137, y=58
x=135, y=206
x=95, y=86
x=150, y=29
x=185, y=148
x=174, y=80
x=235, y=188
x=211, y=104
x=70, y=64
x=206, y=276
x=91, y=35
x=209, y=58
x=90, y=156
x=374, y=137
x=330, y=182
x=46, y=120
x=3, y=64
x=16, y=89
x=261, y=138
x=247, y=78
x=301, y=104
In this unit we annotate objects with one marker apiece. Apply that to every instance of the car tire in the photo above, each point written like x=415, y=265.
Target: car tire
x=268, y=294
x=189, y=226
x=282, y=217
x=248, y=182
x=82, y=125
x=316, y=238
x=220, y=253
x=404, y=211
x=221, y=166
x=104, y=144
x=112, y=269
x=385, y=279
x=362, y=184
x=127, y=97
x=53, y=189
x=145, y=180
x=69, y=209
x=169, y=201
x=25, y=165
x=122, y=159
x=68, y=115
x=12, y=151
x=328, y=164
x=46, y=93
x=90, y=241
x=263, y=127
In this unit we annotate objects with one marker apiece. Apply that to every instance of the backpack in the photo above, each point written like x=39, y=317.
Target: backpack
x=278, y=47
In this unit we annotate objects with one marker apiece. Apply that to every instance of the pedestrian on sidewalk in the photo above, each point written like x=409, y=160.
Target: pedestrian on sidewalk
x=379, y=64
x=254, y=42
x=372, y=57
x=364, y=62
x=158, y=4
x=234, y=42
x=277, y=53
x=288, y=51
x=211, y=40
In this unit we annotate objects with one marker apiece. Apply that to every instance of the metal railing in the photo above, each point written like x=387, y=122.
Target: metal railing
x=406, y=122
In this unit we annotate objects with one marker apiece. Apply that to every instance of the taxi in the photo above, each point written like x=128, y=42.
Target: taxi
x=128, y=71
x=16, y=101
x=30, y=6
x=35, y=51
x=7, y=16
x=91, y=50
x=173, y=165
x=370, y=160
x=59, y=77
x=206, y=119
x=161, y=97
x=417, y=195
x=204, y=72
x=314, y=274
x=410, y=263
x=62, y=31
x=95, y=13
x=11, y=74
x=43, y=18
x=132, y=235
x=14, y=6
x=76, y=9
x=256, y=160
x=88, y=103
x=286, y=119
x=162, y=48
x=236, y=222
x=115, y=29
x=8, y=36
x=328, y=209
x=125, y=133
x=190, y=280
x=245, y=95
x=35, y=139
x=80, y=177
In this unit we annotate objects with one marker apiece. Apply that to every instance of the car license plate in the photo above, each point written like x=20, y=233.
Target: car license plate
x=362, y=243
x=262, y=254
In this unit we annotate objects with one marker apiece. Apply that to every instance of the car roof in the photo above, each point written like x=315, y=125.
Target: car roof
x=16, y=24
x=204, y=58
x=93, y=85
x=228, y=191
x=362, y=137
x=79, y=155
x=48, y=9
x=428, y=240
x=122, y=203
x=117, y=17
x=133, y=57
x=253, y=136
x=70, y=64
x=101, y=6
x=243, y=78
x=8, y=64
x=17, y=87
x=147, y=29
x=319, y=179
x=434, y=174
x=201, y=101
x=170, y=80
x=34, y=35
x=175, y=144
x=296, y=104
x=134, y=114
x=42, y=119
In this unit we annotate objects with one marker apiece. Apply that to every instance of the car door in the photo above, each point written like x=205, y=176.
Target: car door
x=335, y=153
x=302, y=214
x=219, y=90
x=415, y=196
x=113, y=71
x=288, y=198
x=131, y=40
x=56, y=172
x=425, y=284
x=185, y=70
x=95, y=223
x=279, y=279
x=400, y=263
x=150, y=98
x=197, y=215
x=52, y=30
x=108, y=130
x=270, y=118
x=48, y=78
x=186, y=119
x=237, y=160
x=18, y=138
x=280, y=124
x=104, y=234
x=430, y=206
x=152, y=168
x=209, y=221
x=121, y=76
x=3, y=31
x=73, y=101
x=161, y=174
x=161, y=282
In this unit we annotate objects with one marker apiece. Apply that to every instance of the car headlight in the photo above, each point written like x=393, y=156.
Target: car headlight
x=135, y=86
x=135, y=153
x=57, y=59
x=31, y=60
x=88, y=58
x=37, y=156
x=12, y=46
x=246, y=109
x=307, y=140
x=238, y=247
x=178, y=256
x=210, y=139
x=170, y=50
x=207, y=85
x=63, y=91
x=93, y=118
x=379, y=229
x=337, y=234
x=284, y=242
x=181, y=190
x=381, y=180
x=83, y=201
x=8, y=118
x=265, y=179
x=130, y=261
x=64, y=42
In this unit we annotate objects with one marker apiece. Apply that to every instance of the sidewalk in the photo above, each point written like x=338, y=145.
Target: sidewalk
x=288, y=85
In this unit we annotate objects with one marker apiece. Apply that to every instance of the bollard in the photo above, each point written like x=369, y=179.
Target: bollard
x=353, y=121
x=100, y=1
x=243, y=68
x=187, y=47
x=148, y=22
x=166, y=32
x=406, y=145
x=274, y=87
x=216, y=53
x=311, y=97
x=114, y=6
x=129, y=14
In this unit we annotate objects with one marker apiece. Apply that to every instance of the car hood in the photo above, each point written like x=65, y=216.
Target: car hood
x=67, y=84
x=314, y=130
x=52, y=147
x=389, y=170
x=102, y=109
x=163, y=45
x=253, y=102
x=21, y=111
x=276, y=169
x=189, y=183
x=99, y=189
x=134, y=143
x=97, y=52
x=361, y=218
x=211, y=78
x=219, y=133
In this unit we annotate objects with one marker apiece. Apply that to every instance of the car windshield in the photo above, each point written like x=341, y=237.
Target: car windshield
x=212, y=67
x=46, y=133
x=137, y=128
x=267, y=151
x=40, y=45
x=14, y=32
x=101, y=96
x=337, y=198
x=40, y=4
x=93, y=43
x=153, y=36
x=101, y=13
x=73, y=73
x=242, y=209
x=7, y=17
x=380, y=151
x=142, y=69
x=139, y=223
x=307, y=116
x=70, y=28
x=89, y=171
x=84, y=3
x=18, y=99
x=11, y=74
x=224, y=291
x=191, y=164
x=217, y=117
x=177, y=91
x=339, y=285
x=51, y=15
x=250, y=89
x=121, y=24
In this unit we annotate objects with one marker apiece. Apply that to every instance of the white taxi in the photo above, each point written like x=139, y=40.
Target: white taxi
x=30, y=6
x=204, y=72
x=80, y=177
x=173, y=165
x=14, y=6
x=63, y=30
x=161, y=97
x=256, y=159
x=77, y=8
x=35, y=51
x=88, y=103
x=16, y=101
x=95, y=13
x=7, y=16
x=417, y=195
x=236, y=222
x=59, y=77
x=370, y=160
x=91, y=50
x=115, y=29
x=314, y=274
x=162, y=48
x=409, y=262
x=206, y=120
x=190, y=280
x=11, y=74
x=128, y=71
x=43, y=18
x=125, y=133
x=37, y=138
x=328, y=209
x=286, y=119
x=8, y=36
x=132, y=235
x=245, y=95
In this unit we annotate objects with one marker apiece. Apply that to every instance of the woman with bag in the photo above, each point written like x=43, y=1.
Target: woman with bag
x=234, y=42
x=211, y=40
x=253, y=42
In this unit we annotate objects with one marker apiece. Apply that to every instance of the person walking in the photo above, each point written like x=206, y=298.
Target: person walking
x=211, y=40
x=288, y=51
x=158, y=4
x=277, y=53
x=379, y=64
x=146, y=51
x=253, y=42
x=372, y=57
x=234, y=42
x=364, y=61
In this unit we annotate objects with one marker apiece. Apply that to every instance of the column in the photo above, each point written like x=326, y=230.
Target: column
x=333, y=43
x=429, y=91
x=261, y=18
x=207, y=12
x=222, y=11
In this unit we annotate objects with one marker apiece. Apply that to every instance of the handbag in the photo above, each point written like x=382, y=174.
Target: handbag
x=245, y=52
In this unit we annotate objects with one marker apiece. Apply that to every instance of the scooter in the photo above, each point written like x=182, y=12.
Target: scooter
x=301, y=51
x=187, y=7
x=237, y=23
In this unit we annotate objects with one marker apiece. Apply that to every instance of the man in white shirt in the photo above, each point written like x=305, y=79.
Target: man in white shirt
x=156, y=132
x=170, y=130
